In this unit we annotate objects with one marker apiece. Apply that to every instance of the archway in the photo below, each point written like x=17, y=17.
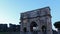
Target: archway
x=33, y=26
x=24, y=29
x=43, y=29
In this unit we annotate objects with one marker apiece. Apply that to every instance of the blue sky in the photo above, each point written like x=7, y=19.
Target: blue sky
x=10, y=9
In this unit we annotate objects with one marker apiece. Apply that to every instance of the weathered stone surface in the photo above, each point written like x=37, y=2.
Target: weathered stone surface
x=41, y=17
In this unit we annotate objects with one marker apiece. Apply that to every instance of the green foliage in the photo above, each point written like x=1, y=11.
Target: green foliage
x=2, y=32
x=57, y=24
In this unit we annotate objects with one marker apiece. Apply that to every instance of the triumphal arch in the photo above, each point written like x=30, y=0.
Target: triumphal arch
x=36, y=21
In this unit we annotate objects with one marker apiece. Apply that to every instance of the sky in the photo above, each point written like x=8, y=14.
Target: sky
x=10, y=9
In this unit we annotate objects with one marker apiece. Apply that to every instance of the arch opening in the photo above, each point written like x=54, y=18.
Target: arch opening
x=44, y=29
x=33, y=26
x=24, y=29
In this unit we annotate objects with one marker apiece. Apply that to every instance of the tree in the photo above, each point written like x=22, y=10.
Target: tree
x=57, y=24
